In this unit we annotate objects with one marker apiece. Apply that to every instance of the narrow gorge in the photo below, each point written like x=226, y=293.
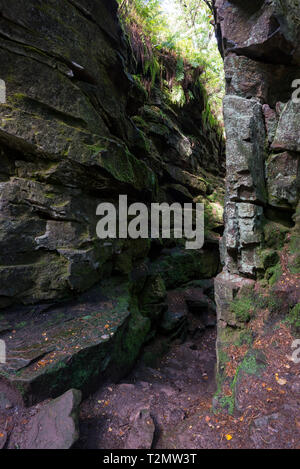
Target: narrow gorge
x=142, y=343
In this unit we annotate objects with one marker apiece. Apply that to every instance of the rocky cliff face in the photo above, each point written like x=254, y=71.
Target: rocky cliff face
x=77, y=129
x=261, y=46
x=68, y=142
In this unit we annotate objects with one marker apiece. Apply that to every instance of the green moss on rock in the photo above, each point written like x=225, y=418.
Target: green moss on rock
x=242, y=308
x=273, y=274
x=274, y=235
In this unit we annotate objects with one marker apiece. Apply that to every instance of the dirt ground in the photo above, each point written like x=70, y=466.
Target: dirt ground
x=166, y=402
x=169, y=406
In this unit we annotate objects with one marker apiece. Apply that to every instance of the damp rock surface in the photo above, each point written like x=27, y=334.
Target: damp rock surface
x=55, y=426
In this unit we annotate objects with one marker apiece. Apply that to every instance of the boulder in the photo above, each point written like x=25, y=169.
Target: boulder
x=55, y=426
x=207, y=286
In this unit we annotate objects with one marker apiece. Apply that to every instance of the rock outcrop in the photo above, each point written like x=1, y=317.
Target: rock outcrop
x=142, y=432
x=260, y=45
x=71, y=137
x=54, y=425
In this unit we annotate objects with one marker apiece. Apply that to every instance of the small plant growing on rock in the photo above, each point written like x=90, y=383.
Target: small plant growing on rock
x=242, y=307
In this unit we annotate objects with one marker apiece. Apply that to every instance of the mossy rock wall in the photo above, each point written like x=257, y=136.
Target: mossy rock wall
x=76, y=130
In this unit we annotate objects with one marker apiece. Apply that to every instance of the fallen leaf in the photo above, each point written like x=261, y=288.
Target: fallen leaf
x=281, y=381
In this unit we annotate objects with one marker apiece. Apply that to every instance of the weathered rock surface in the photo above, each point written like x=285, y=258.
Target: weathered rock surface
x=55, y=426
x=73, y=345
x=198, y=302
x=184, y=304
x=78, y=129
x=3, y=438
x=283, y=179
x=247, y=78
x=227, y=287
x=262, y=30
x=245, y=149
x=262, y=123
x=178, y=266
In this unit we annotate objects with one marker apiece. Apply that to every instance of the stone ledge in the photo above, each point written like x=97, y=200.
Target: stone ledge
x=52, y=348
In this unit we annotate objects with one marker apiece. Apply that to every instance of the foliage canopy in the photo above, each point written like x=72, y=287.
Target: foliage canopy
x=182, y=29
